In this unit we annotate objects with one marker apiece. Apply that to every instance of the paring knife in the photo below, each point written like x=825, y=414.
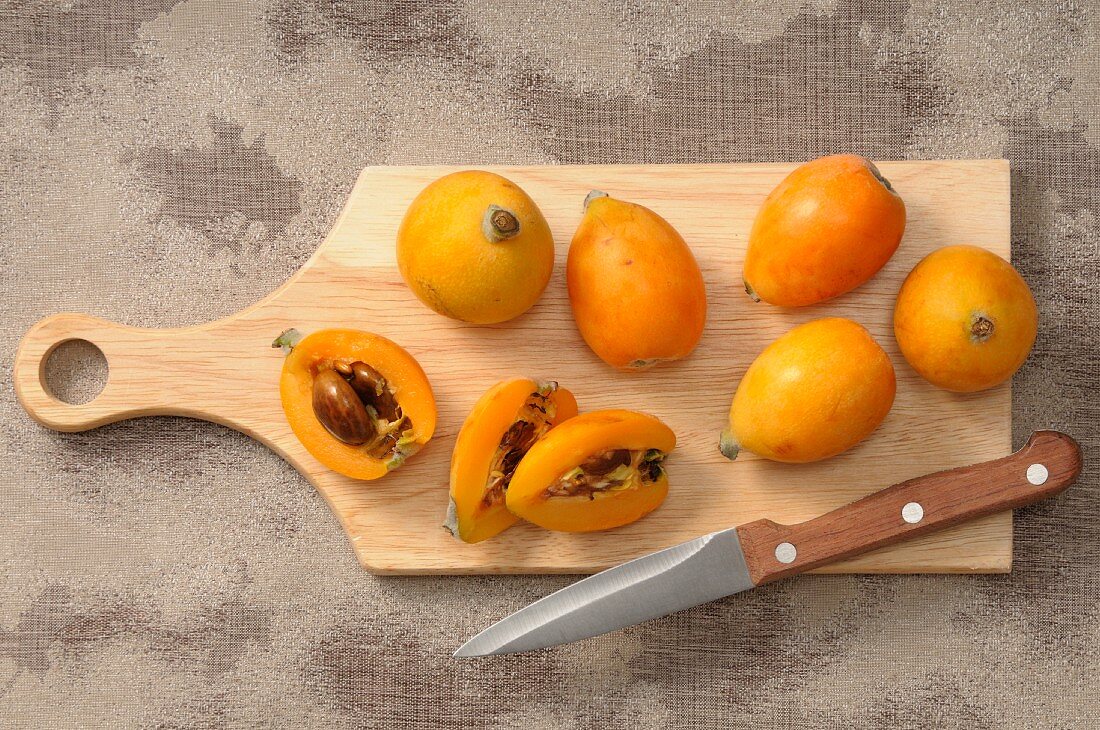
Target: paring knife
x=742, y=558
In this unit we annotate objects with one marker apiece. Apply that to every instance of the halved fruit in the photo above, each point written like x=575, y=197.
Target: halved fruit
x=358, y=402
x=503, y=425
x=599, y=470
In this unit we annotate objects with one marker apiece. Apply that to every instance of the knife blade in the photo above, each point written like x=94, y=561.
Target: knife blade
x=742, y=558
x=694, y=572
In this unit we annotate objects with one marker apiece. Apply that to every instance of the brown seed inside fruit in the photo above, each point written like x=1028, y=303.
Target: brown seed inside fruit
x=339, y=409
x=534, y=421
x=606, y=462
x=367, y=381
x=595, y=474
x=373, y=391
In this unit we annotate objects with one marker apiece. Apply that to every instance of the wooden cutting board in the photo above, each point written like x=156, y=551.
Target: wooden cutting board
x=394, y=523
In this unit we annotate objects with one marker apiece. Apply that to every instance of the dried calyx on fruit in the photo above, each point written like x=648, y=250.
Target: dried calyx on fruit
x=532, y=423
x=499, y=224
x=355, y=403
x=612, y=470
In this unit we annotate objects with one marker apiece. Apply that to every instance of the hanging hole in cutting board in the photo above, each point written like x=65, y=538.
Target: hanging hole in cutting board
x=76, y=372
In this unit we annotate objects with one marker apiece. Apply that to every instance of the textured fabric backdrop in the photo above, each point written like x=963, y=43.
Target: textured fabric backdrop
x=166, y=162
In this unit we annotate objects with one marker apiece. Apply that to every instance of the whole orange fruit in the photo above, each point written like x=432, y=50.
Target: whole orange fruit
x=965, y=319
x=637, y=294
x=816, y=391
x=474, y=246
x=825, y=229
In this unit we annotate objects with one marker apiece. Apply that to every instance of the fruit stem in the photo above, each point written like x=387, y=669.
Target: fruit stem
x=981, y=328
x=728, y=445
x=592, y=196
x=499, y=224
x=287, y=340
x=450, y=522
x=877, y=174
x=750, y=291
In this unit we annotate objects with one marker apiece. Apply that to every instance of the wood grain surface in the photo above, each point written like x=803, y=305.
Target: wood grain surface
x=394, y=523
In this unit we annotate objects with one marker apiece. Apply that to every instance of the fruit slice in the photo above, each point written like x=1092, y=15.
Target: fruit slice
x=825, y=229
x=637, y=294
x=358, y=402
x=816, y=391
x=599, y=470
x=503, y=425
x=965, y=319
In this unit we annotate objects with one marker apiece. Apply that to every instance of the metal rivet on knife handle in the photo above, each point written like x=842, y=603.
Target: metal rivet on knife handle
x=1037, y=474
x=912, y=513
x=785, y=552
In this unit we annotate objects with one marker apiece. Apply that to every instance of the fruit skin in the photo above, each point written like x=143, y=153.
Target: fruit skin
x=569, y=445
x=816, y=391
x=965, y=319
x=827, y=228
x=481, y=433
x=411, y=389
x=637, y=293
x=452, y=266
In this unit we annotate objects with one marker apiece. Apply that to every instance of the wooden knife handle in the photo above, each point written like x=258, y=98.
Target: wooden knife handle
x=1046, y=465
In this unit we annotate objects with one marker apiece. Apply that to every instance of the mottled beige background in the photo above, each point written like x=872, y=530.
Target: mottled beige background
x=166, y=162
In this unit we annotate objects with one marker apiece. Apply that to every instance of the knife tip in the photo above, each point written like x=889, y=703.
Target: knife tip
x=465, y=652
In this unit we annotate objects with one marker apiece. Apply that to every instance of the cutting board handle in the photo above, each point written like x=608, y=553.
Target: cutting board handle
x=150, y=372
x=118, y=399
x=1046, y=465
